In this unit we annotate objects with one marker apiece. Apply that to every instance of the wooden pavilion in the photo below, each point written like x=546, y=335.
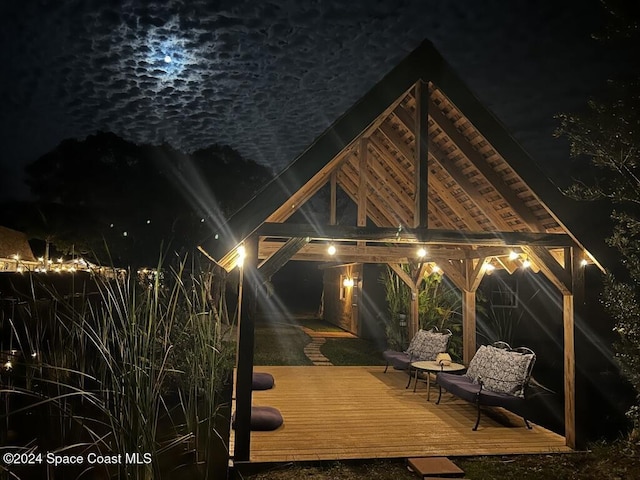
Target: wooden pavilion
x=427, y=167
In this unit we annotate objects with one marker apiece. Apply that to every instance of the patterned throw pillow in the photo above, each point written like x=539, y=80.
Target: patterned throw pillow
x=478, y=363
x=500, y=370
x=416, y=342
x=432, y=344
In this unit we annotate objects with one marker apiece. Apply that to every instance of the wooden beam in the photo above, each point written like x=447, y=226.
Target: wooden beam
x=452, y=270
x=363, y=167
x=420, y=272
x=421, y=172
x=300, y=197
x=486, y=170
x=370, y=254
x=280, y=257
x=550, y=267
x=250, y=281
x=474, y=274
x=333, y=202
x=395, y=235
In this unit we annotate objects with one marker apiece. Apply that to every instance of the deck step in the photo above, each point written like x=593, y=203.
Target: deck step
x=434, y=467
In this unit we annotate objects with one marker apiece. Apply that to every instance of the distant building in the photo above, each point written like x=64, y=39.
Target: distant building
x=15, y=251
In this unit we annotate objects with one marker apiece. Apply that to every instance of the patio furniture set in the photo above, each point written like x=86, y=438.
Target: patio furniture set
x=497, y=376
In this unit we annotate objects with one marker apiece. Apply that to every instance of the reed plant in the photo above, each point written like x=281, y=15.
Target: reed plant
x=132, y=368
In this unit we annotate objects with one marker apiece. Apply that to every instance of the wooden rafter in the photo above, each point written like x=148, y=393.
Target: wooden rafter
x=486, y=170
x=375, y=208
x=379, y=217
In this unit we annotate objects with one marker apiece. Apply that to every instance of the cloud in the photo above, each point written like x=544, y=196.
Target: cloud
x=263, y=77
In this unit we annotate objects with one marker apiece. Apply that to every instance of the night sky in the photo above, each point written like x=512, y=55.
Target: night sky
x=268, y=77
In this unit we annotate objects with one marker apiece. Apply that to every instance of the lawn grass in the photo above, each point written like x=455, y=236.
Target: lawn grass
x=351, y=351
x=318, y=325
x=613, y=461
x=280, y=344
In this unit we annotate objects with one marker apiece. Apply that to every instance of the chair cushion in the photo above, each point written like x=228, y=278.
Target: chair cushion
x=399, y=360
x=262, y=381
x=500, y=370
x=263, y=419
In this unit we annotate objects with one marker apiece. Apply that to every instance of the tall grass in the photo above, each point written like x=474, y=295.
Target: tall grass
x=136, y=367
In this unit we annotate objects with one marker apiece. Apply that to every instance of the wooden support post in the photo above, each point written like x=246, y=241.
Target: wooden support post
x=569, y=372
x=244, y=366
x=572, y=304
x=468, y=326
x=414, y=319
x=421, y=155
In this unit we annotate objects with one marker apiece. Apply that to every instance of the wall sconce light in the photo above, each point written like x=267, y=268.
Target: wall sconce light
x=347, y=282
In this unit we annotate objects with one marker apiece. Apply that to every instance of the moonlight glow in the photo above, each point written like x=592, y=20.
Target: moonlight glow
x=167, y=59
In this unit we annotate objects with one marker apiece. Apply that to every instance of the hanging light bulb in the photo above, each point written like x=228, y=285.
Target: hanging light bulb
x=331, y=250
x=242, y=254
x=347, y=282
x=526, y=264
x=422, y=252
x=513, y=255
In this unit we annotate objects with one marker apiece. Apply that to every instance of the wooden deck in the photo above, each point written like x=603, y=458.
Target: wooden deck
x=335, y=413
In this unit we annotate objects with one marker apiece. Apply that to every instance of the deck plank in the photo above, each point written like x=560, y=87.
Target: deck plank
x=339, y=413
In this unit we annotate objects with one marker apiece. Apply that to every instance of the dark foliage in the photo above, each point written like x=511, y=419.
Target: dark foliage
x=119, y=202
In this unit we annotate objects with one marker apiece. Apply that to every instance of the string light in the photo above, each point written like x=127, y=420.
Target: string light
x=242, y=254
x=513, y=255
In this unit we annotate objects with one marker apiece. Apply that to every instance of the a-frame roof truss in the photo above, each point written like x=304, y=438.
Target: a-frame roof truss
x=470, y=186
